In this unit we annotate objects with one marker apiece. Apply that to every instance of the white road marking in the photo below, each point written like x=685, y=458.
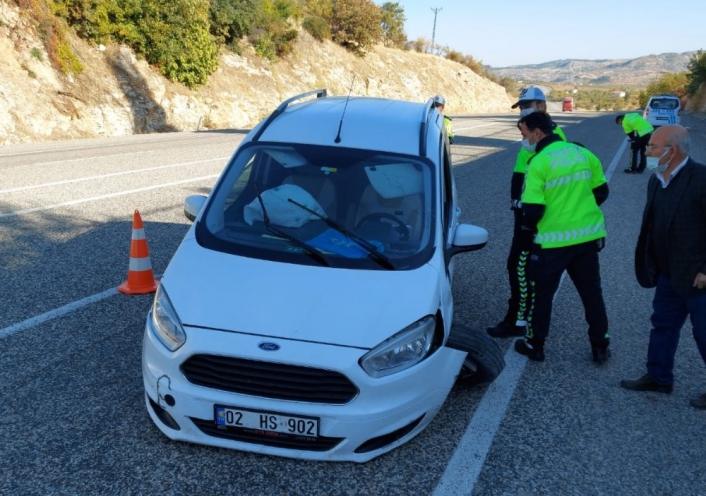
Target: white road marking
x=78, y=159
x=57, y=312
x=103, y=197
x=103, y=176
x=475, y=127
x=614, y=163
x=95, y=147
x=464, y=468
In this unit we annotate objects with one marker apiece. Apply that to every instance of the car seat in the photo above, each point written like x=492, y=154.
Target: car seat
x=319, y=185
x=407, y=209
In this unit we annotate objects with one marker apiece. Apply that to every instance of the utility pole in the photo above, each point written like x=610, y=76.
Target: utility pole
x=433, y=33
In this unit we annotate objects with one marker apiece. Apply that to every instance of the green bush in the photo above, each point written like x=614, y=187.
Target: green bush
x=177, y=39
x=697, y=72
x=420, y=45
x=68, y=61
x=274, y=34
x=36, y=53
x=454, y=55
x=319, y=8
x=356, y=24
x=509, y=84
x=317, y=27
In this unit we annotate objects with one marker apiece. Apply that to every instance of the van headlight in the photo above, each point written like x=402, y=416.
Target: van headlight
x=165, y=323
x=402, y=351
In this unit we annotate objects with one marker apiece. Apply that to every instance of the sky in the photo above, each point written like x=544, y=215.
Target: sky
x=502, y=33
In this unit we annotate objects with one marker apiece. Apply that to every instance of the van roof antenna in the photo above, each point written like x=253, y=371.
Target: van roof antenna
x=340, y=125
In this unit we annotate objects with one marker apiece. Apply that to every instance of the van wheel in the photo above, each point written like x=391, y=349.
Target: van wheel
x=485, y=359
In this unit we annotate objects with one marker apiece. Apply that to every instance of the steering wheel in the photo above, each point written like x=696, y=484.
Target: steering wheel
x=399, y=226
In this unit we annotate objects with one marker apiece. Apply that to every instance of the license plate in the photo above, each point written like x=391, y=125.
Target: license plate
x=266, y=423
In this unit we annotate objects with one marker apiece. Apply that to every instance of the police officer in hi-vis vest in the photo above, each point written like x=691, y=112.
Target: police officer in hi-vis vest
x=440, y=103
x=639, y=131
x=564, y=187
x=514, y=323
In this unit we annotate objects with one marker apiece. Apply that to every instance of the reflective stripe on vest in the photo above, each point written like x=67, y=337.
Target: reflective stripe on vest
x=563, y=236
x=576, y=176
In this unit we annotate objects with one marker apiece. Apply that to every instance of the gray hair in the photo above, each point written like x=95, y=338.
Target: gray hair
x=680, y=141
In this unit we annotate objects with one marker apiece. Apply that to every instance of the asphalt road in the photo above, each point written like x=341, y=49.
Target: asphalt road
x=72, y=416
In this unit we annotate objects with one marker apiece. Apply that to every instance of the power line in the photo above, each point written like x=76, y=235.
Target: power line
x=433, y=33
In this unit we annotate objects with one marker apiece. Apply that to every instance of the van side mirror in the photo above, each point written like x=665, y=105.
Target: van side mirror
x=193, y=205
x=468, y=238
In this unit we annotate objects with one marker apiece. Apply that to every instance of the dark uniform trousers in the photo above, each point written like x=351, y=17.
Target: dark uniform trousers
x=639, y=145
x=517, y=261
x=581, y=263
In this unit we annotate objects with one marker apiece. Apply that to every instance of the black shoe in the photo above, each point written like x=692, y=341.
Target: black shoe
x=699, y=402
x=505, y=330
x=600, y=354
x=533, y=353
x=629, y=170
x=646, y=383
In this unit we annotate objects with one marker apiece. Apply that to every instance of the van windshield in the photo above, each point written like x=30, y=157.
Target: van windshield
x=664, y=103
x=385, y=199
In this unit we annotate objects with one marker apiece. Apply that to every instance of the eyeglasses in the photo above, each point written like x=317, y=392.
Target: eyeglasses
x=649, y=148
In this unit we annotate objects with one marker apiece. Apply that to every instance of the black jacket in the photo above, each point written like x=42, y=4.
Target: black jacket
x=686, y=232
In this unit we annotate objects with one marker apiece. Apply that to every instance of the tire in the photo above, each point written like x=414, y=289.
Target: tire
x=485, y=360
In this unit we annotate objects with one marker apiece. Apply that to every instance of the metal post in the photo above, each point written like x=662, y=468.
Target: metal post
x=433, y=33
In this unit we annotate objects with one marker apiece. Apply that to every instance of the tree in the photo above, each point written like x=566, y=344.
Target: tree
x=356, y=24
x=393, y=19
x=674, y=83
x=697, y=72
x=231, y=20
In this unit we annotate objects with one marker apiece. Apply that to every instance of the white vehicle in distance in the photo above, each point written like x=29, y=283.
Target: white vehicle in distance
x=308, y=311
x=662, y=110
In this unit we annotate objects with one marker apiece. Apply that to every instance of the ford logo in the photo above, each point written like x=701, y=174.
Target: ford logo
x=268, y=346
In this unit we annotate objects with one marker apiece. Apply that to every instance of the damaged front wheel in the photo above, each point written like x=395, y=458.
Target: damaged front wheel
x=485, y=360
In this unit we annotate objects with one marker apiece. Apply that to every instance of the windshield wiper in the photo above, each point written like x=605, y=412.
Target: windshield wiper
x=313, y=252
x=373, y=252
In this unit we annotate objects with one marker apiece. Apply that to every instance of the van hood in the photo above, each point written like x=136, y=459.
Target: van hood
x=346, y=307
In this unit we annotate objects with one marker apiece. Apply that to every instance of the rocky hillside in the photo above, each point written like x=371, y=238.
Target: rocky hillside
x=629, y=72
x=120, y=95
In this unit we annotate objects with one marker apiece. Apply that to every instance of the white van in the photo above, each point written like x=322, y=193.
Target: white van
x=308, y=312
x=662, y=110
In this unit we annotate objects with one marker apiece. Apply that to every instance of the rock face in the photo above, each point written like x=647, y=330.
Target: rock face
x=118, y=95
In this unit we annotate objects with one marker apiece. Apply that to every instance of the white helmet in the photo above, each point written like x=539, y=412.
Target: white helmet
x=439, y=100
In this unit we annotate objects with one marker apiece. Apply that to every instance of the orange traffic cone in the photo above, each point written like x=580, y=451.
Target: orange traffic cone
x=140, y=277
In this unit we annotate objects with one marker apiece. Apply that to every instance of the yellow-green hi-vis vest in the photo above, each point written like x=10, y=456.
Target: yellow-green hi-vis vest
x=523, y=157
x=562, y=177
x=448, y=125
x=634, y=122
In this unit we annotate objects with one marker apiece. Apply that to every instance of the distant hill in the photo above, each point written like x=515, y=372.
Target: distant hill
x=630, y=72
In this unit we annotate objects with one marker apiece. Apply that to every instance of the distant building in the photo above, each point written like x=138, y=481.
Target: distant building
x=618, y=94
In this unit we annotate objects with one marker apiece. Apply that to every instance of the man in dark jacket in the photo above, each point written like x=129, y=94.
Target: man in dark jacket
x=671, y=255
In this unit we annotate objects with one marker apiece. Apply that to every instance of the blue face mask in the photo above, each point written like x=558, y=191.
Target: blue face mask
x=654, y=165
x=526, y=145
x=527, y=111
